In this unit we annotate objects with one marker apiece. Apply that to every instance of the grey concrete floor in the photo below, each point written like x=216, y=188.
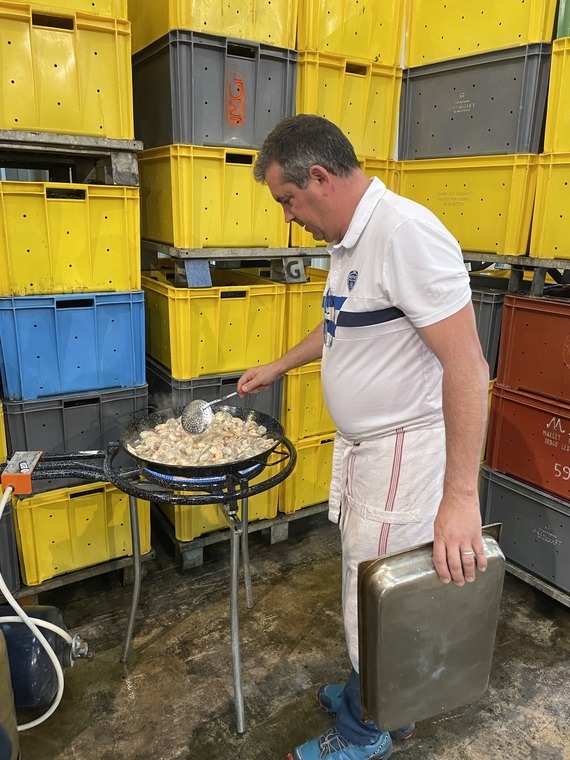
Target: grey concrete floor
x=173, y=699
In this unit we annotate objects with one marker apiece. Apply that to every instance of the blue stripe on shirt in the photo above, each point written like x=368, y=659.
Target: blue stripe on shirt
x=366, y=318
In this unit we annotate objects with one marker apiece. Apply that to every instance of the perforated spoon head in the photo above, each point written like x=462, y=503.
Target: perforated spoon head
x=196, y=417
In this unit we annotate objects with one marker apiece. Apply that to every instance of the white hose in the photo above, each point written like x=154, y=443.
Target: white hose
x=42, y=624
x=33, y=626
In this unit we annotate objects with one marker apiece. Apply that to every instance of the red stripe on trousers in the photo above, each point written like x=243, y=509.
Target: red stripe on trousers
x=392, y=490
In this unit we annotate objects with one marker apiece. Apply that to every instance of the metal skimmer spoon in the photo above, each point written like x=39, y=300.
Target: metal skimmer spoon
x=198, y=415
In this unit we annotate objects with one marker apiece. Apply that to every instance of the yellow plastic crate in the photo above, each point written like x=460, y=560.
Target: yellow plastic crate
x=309, y=482
x=349, y=27
x=485, y=201
x=383, y=168
x=303, y=306
x=551, y=218
x=71, y=528
x=200, y=197
x=3, y=446
x=438, y=30
x=66, y=73
x=111, y=8
x=191, y=522
x=271, y=21
x=557, y=130
x=257, y=271
x=361, y=97
x=68, y=238
x=303, y=410
x=300, y=238
x=235, y=324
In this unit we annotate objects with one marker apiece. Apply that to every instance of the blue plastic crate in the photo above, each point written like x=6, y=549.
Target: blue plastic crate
x=57, y=344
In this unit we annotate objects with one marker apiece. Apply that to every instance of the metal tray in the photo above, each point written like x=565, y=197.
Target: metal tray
x=425, y=647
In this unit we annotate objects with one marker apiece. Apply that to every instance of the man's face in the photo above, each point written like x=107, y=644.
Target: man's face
x=306, y=206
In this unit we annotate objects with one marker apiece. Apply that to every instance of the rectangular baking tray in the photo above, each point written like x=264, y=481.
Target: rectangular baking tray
x=425, y=647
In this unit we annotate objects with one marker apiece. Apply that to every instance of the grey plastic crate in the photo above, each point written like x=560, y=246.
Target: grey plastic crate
x=536, y=526
x=488, y=307
x=478, y=105
x=9, y=565
x=72, y=422
x=202, y=89
x=165, y=391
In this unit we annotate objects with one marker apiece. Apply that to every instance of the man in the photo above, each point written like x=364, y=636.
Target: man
x=403, y=377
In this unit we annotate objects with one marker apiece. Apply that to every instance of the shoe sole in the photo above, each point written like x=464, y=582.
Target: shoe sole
x=397, y=735
x=402, y=737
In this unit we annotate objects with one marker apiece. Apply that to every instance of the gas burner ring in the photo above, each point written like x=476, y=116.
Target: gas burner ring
x=179, y=482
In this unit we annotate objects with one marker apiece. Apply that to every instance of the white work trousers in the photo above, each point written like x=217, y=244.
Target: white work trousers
x=386, y=493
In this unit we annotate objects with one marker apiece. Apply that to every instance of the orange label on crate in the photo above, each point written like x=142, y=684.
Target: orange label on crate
x=235, y=99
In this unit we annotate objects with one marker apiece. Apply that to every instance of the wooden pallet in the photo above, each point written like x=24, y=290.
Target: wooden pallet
x=124, y=566
x=193, y=264
x=191, y=553
x=72, y=158
x=559, y=269
x=538, y=583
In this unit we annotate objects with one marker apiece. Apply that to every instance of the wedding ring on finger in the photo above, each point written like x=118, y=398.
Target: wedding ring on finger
x=469, y=553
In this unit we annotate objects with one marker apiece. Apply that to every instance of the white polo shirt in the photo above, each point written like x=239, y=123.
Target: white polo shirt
x=396, y=269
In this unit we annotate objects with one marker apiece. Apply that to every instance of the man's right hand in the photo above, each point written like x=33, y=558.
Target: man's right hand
x=258, y=378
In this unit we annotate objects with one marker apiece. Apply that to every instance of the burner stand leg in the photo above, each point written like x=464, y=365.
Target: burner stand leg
x=234, y=624
x=245, y=556
x=137, y=577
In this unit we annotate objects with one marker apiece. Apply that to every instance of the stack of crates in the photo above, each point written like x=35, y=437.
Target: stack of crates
x=551, y=220
x=304, y=415
x=349, y=73
x=472, y=115
x=209, y=83
x=71, y=307
x=208, y=86
x=526, y=481
x=200, y=340
x=471, y=124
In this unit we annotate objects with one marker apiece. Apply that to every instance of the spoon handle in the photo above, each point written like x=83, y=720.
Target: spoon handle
x=223, y=398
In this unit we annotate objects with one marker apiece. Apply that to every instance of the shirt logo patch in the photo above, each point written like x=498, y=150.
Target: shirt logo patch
x=352, y=276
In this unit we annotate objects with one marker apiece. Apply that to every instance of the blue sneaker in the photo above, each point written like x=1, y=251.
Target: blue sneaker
x=329, y=697
x=331, y=746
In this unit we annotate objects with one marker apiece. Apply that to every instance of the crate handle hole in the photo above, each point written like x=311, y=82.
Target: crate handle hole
x=238, y=158
x=53, y=22
x=241, y=51
x=86, y=493
x=75, y=303
x=357, y=69
x=81, y=402
x=63, y=194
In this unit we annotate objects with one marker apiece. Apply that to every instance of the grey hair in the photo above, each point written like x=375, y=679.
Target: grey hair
x=299, y=142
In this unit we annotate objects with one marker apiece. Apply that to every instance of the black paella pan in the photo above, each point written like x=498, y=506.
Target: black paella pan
x=132, y=432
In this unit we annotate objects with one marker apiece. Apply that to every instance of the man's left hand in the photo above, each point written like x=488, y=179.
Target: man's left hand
x=458, y=541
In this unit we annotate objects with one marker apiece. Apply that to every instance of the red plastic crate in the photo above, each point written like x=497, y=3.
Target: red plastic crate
x=534, y=353
x=529, y=439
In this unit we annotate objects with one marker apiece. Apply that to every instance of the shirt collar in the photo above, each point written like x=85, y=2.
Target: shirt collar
x=361, y=216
